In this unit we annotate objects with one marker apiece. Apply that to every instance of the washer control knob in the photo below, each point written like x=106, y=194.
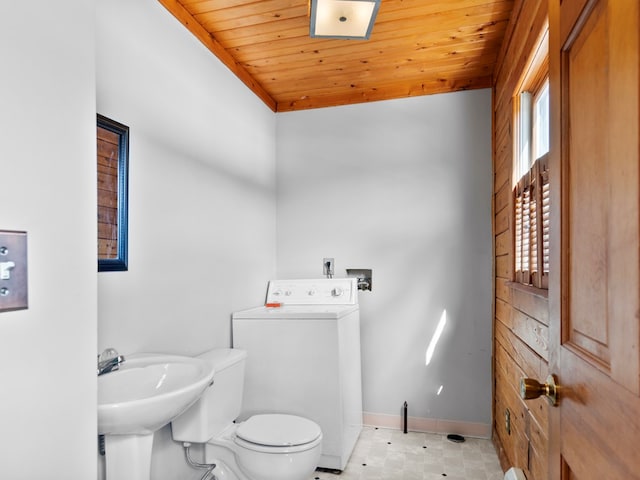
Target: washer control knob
x=311, y=292
x=287, y=293
x=336, y=292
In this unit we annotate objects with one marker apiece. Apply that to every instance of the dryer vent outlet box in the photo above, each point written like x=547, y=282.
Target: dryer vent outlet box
x=364, y=276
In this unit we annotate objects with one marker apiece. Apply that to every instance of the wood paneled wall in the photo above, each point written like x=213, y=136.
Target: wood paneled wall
x=521, y=314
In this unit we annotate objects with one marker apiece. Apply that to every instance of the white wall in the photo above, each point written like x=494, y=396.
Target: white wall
x=47, y=167
x=201, y=193
x=201, y=189
x=402, y=187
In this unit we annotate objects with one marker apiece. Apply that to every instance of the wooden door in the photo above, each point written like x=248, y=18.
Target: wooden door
x=594, y=291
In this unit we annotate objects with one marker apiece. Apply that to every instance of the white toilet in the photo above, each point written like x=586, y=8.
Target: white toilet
x=264, y=447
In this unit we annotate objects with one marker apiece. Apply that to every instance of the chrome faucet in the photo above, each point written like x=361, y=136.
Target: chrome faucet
x=109, y=360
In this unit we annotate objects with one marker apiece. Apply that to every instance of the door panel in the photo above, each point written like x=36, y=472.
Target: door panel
x=594, y=292
x=599, y=75
x=586, y=83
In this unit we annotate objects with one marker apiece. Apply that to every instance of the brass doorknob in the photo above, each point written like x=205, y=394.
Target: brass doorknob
x=530, y=388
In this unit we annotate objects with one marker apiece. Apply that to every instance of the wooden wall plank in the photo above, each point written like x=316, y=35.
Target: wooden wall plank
x=529, y=361
x=505, y=463
x=532, y=332
x=514, y=439
x=531, y=22
x=503, y=197
x=502, y=177
x=527, y=418
x=535, y=305
x=503, y=243
x=538, y=450
x=504, y=268
x=503, y=292
x=522, y=317
x=526, y=364
x=503, y=313
x=502, y=220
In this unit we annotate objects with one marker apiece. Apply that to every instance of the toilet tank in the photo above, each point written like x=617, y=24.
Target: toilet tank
x=220, y=403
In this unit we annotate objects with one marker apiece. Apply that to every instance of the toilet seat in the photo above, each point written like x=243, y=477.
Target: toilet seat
x=278, y=433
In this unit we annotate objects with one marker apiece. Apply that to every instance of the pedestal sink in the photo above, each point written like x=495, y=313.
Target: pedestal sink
x=143, y=395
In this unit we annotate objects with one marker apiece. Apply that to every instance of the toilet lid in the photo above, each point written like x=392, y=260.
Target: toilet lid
x=278, y=430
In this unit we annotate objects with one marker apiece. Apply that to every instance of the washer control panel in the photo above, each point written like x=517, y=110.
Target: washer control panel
x=323, y=291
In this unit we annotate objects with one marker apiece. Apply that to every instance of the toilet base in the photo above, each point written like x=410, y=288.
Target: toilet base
x=224, y=472
x=235, y=463
x=221, y=451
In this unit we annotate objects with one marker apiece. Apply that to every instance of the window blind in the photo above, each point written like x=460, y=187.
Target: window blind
x=531, y=201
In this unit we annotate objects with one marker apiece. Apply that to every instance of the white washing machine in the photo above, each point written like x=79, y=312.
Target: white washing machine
x=304, y=359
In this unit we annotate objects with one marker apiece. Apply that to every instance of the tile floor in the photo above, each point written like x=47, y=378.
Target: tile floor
x=384, y=454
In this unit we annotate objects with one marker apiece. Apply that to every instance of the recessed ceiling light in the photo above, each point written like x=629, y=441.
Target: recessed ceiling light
x=343, y=18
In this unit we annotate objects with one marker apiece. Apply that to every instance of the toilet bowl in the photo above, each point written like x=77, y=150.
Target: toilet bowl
x=283, y=447
x=263, y=447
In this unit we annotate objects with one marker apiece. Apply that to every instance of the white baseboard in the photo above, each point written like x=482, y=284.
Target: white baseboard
x=428, y=425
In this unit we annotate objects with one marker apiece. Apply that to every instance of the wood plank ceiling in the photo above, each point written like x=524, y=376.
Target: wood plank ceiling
x=417, y=47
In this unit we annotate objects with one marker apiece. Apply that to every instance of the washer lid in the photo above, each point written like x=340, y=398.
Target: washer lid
x=297, y=312
x=278, y=430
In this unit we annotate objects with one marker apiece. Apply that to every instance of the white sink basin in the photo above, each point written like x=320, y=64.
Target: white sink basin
x=148, y=391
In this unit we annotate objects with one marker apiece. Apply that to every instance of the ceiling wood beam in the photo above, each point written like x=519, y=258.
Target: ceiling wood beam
x=184, y=17
x=387, y=92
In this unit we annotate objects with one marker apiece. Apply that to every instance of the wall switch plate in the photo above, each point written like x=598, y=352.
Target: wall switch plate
x=13, y=271
x=328, y=267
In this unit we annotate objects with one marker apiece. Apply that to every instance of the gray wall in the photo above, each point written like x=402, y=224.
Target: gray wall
x=402, y=187
x=47, y=167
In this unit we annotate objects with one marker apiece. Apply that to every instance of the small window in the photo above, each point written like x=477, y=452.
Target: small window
x=531, y=174
x=540, y=130
x=113, y=186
